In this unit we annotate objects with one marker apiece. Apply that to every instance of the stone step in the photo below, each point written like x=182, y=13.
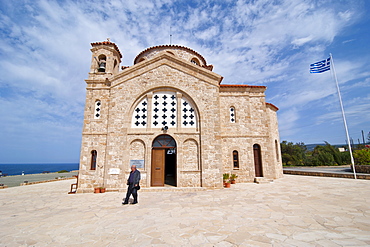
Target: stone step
x=172, y=189
x=262, y=180
x=153, y=189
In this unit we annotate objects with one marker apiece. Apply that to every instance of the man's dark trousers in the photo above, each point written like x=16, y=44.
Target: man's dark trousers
x=131, y=190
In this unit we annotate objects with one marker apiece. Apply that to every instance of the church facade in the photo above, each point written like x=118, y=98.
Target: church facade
x=170, y=115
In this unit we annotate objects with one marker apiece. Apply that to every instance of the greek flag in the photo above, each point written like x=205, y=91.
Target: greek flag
x=321, y=66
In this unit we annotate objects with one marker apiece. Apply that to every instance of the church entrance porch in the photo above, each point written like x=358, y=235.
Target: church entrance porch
x=164, y=167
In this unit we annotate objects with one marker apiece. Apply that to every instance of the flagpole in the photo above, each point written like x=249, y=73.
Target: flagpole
x=343, y=115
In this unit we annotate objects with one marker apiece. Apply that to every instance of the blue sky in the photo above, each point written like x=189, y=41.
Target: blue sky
x=45, y=54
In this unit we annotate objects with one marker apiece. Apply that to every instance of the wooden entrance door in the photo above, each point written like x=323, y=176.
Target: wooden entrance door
x=257, y=160
x=158, y=159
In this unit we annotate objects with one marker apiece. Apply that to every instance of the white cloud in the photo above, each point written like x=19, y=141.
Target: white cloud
x=301, y=41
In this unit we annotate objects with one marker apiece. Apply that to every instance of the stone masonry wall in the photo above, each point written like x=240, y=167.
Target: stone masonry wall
x=254, y=124
x=169, y=78
x=94, y=137
x=203, y=153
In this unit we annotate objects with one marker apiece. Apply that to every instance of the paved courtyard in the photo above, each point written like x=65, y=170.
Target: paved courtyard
x=292, y=211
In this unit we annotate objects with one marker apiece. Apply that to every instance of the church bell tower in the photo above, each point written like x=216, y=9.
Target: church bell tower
x=105, y=60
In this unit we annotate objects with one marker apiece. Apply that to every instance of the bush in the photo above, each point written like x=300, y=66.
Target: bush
x=323, y=155
x=63, y=171
x=362, y=157
x=346, y=158
x=328, y=155
x=293, y=154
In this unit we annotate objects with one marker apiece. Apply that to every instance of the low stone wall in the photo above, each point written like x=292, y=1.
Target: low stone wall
x=46, y=181
x=326, y=174
x=362, y=168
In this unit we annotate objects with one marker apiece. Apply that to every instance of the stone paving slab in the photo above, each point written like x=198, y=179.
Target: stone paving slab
x=292, y=211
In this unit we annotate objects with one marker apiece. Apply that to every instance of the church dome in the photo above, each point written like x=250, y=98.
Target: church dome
x=176, y=50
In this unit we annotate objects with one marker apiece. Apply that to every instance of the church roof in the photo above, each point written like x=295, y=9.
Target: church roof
x=108, y=43
x=251, y=86
x=273, y=106
x=170, y=46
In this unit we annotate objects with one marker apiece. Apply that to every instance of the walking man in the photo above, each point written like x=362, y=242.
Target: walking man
x=133, y=185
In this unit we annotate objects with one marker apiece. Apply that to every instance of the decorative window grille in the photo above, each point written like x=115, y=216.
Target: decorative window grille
x=164, y=111
x=236, y=159
x=164, y=141
x=97, y=112
x=188, y=116
x=232, y=114
x=140, y=115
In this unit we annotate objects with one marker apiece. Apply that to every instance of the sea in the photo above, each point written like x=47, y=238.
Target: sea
x=18, y=169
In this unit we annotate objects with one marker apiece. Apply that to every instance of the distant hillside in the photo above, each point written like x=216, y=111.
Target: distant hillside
x=311, y=147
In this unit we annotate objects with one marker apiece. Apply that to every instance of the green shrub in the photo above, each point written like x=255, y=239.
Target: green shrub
x=63, y=171
x=322, y=155
x=346, y=158
x=328, y=155
x=293, y=154
x=362, y=157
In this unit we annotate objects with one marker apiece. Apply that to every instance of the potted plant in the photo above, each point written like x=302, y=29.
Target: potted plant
x=226, y=178
x=232, y=178
x=102, y=190
x=96, y=190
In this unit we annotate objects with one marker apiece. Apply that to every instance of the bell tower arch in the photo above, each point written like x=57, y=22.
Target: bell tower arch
x=105, y=59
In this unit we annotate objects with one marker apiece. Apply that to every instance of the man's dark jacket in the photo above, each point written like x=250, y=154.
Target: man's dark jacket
x=136, y=178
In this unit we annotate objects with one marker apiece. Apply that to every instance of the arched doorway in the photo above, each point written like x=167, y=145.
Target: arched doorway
x=163, y=161
x=257, y=160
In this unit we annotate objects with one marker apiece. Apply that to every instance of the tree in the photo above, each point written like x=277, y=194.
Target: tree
x=293, y=154
x=298, y=155
x=328, y=155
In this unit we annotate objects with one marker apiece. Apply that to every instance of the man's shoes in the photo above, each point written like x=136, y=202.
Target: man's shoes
x=124, y=203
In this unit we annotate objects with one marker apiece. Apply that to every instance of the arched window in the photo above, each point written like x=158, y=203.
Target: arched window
x=232, y=115
x=94, y=156
x=115, y=63
x=277, y=150
x=195, y=61
x=164, y=141
x=235, y=159
x=164, y=112
x=102, y=62
x=97, y=110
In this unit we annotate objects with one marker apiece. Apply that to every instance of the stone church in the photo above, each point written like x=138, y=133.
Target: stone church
x=172, y=117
